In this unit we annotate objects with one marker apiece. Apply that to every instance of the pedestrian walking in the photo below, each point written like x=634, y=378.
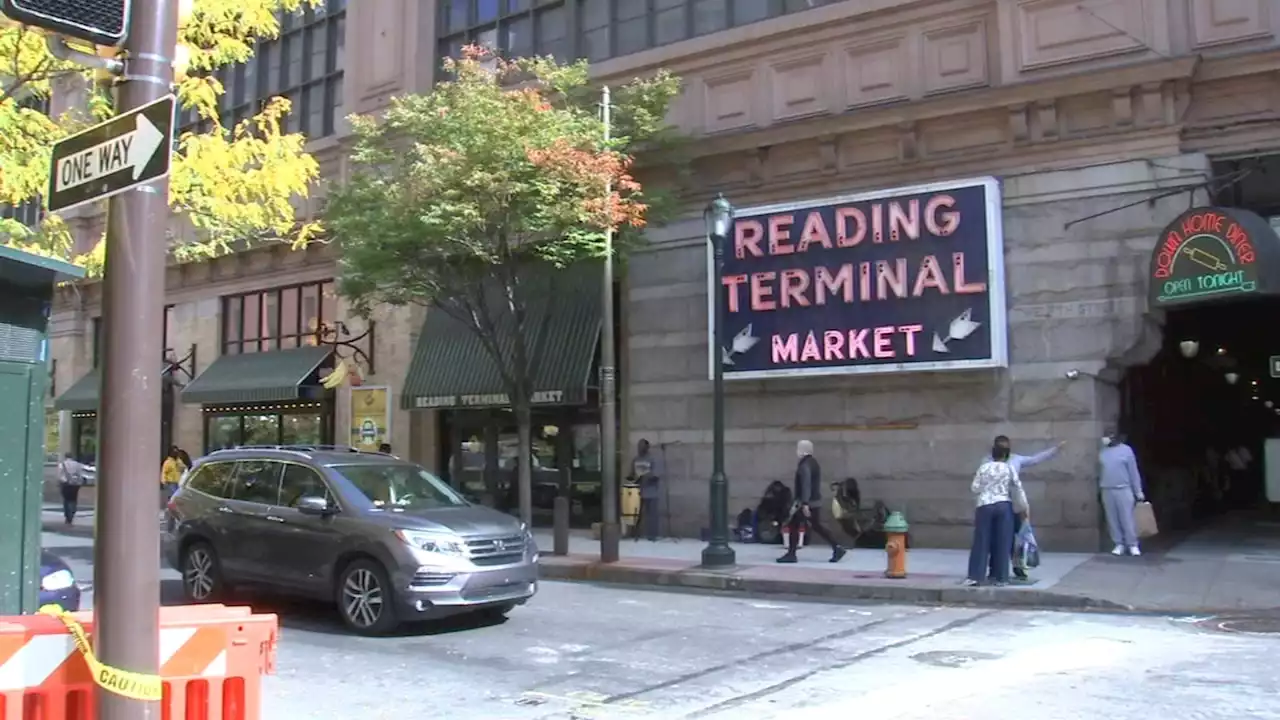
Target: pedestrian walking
x=998, y=495
x=1120, y=486
x=1019, y=463
x=171, y=472
x=806, y=503
x=70, y=480
x=647, y=472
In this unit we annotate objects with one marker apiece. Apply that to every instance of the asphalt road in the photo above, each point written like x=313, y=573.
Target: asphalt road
x=580, y=651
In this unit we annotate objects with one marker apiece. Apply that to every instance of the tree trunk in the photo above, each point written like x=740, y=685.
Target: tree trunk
x=524, y=459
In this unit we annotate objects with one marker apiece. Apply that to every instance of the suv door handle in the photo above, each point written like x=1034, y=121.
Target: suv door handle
x=225, y=509
x=274, y=518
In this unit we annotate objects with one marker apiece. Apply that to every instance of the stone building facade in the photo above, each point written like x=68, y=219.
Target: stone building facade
x=1101, y=120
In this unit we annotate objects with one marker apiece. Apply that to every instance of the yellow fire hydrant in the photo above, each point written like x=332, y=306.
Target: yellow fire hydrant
x=895, y=546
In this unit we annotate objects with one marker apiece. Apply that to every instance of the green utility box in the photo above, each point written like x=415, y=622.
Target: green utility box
x=26, y=293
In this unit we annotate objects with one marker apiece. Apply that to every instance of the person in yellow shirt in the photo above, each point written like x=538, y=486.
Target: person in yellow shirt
x=171, y=473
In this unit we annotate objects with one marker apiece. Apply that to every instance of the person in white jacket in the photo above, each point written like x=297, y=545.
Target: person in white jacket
x=1019, y=462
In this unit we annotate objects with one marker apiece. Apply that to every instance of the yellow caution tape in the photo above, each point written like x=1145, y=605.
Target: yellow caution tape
x=138, y=686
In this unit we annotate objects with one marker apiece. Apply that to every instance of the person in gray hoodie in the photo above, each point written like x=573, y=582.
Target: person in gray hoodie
x=1120, y=486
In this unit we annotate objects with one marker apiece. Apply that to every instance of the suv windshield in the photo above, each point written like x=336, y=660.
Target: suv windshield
x=400, y=486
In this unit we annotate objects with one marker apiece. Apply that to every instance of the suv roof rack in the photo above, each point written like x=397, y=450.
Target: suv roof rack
x=303, y=448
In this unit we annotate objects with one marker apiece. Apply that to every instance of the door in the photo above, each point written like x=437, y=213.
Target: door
x=302, y=547
x=255, y=490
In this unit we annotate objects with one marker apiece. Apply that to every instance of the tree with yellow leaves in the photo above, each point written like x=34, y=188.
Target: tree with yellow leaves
x=233, y=185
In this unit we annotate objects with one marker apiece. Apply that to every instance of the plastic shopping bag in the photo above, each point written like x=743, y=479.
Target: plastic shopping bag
x=1028, y=548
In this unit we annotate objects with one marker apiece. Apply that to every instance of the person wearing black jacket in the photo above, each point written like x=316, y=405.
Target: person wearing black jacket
x=808, y=499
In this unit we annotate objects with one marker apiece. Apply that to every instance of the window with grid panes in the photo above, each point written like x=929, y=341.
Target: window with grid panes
x=98, y=338
x=277, y=319
x=595, y=29
x=304, y=64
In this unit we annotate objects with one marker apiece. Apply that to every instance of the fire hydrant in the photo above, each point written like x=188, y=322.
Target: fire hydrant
x=895, y=546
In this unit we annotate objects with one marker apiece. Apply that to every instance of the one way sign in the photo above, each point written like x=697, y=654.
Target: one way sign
x=126, y=151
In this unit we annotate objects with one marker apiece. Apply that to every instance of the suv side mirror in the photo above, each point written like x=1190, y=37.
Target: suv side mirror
x=314, y=505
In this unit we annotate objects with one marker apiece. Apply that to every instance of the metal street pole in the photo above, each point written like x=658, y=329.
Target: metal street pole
x=718, y=553
x=610, y=533
x=127, y=548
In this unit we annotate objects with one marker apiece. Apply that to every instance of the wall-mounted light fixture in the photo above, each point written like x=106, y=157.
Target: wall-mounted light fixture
x=1232, y=378
x=1222, y=351
x=1189, y=348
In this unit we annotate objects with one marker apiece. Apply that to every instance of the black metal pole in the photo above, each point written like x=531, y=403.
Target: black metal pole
x=126, y=574
x=610, y=532
x=718, y=553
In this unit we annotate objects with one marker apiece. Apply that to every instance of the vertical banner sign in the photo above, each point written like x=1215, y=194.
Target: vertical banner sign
x=370, y=417
x=909, y=279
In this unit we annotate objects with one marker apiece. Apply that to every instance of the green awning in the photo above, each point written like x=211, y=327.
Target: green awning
x=257, y=377
x=81, y=396
x=452, y=369
x=84, y=394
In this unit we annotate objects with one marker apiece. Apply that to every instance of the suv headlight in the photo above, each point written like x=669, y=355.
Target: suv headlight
x=57, y=580
x=432, y=542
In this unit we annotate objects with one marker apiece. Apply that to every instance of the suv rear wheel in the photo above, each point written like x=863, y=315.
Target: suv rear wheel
x=365, y=598
x=201, y=573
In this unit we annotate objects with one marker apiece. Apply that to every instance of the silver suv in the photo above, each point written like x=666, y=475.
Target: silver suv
x=386, y=540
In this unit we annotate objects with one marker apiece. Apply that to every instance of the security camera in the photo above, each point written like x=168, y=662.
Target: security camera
x=1072, y=374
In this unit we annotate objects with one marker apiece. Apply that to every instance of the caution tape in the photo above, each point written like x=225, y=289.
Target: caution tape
x=138, y=686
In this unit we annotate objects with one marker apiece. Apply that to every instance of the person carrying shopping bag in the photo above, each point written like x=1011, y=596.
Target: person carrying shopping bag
x=998, y=494
x=1120, y=486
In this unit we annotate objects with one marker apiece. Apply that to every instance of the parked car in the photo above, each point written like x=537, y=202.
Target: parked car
x=384, y=539
x=57, y=583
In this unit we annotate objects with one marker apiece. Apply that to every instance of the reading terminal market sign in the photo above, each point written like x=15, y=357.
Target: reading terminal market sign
x=910, y=279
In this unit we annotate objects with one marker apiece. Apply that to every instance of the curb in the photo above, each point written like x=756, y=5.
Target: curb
x=702, y=580
x=57, y=528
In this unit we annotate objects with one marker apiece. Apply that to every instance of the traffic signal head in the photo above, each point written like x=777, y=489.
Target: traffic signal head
x=101, y=22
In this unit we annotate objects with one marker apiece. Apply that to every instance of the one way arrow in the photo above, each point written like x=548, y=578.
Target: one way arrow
x=132, y=150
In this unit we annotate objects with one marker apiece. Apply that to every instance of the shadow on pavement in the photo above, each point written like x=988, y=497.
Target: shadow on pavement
x=317, y=617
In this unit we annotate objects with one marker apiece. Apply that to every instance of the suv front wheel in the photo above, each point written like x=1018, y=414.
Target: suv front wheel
x=365, y=598
x=201, y=573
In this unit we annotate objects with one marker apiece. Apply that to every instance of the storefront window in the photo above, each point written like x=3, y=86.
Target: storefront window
x=586, y=447
x=84, y=432
x=555, y=459
x=261, y=430
x=223, y=433
x=52, y=435
x=293, y=424
x=300, y=429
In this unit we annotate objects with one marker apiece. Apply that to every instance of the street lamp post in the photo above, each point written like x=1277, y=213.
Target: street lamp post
x=719, y=220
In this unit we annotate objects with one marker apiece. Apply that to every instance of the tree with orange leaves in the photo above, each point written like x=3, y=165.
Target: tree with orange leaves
x=483, y=198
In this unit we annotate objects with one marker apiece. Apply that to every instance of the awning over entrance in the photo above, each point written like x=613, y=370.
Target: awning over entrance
x=1214, y=253
x=85, y=393
x=81, y=396
x=256, y=377
x=452, y=369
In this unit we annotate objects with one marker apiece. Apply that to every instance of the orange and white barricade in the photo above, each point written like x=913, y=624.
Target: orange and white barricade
x=212, y=659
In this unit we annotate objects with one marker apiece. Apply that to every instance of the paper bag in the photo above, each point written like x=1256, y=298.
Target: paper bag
x=1144, y=520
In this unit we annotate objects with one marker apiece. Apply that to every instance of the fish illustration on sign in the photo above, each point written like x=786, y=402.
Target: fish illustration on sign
x=960, y=328
x=742, y=342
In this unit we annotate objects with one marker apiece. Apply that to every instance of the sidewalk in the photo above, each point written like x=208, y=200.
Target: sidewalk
x=1232, y=566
